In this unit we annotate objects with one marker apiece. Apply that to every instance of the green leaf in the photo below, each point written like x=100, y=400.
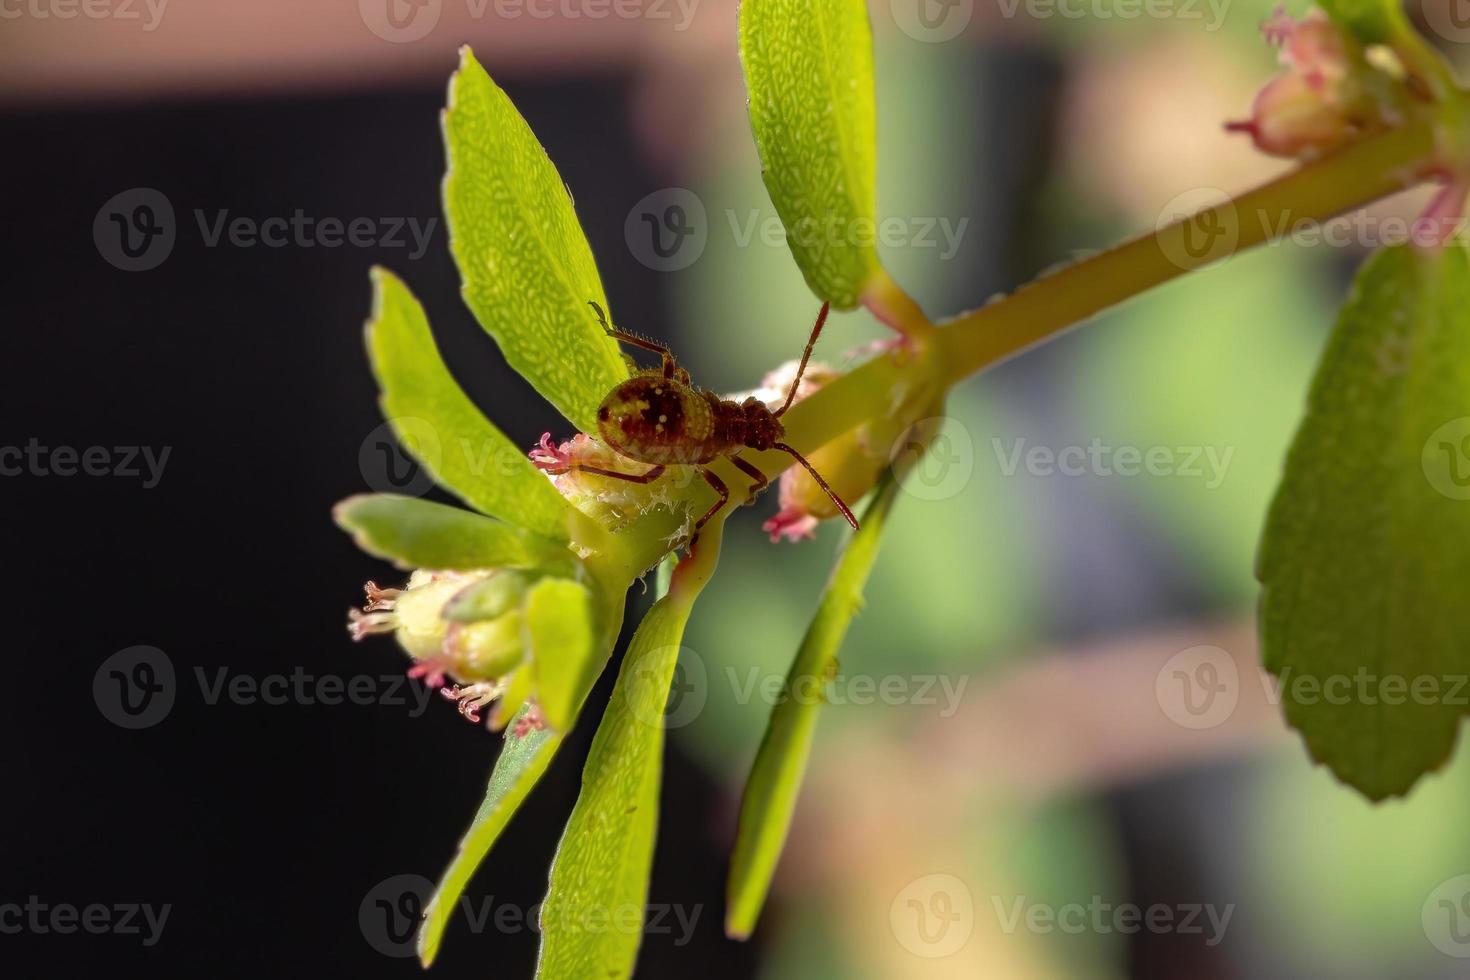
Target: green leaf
x=527, y=268
x=592, y=919
x=775, y=779
x=414, y=533
x=446, y=432
x=489, y=598
x=1370, y=21
x=561, y=633
x=809, y=75
x=1367, y=546
x=521, y=762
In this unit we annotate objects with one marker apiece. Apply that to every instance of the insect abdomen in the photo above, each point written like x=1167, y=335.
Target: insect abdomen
x=659, y=421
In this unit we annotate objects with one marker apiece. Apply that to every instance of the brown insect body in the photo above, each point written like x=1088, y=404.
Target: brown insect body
x=658, y=417
x=658, y=420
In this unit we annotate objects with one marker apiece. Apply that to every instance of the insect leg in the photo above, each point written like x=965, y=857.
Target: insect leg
x=632, y=338
x=750, y=470
x=806, y=355
x=721, y=489
x=646, y=477
x=846, y=511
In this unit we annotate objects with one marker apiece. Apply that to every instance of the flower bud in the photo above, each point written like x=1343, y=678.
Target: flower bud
x=462, y=625
x=849, y=463
x=612, y=502
x=1328, y=94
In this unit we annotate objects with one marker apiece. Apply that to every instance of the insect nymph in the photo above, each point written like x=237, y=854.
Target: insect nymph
x=660, y=418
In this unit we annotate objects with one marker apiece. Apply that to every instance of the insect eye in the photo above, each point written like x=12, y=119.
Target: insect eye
x=602, y=414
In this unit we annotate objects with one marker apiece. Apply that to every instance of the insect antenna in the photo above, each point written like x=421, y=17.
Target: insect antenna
x=806, y=355
x=846, y=511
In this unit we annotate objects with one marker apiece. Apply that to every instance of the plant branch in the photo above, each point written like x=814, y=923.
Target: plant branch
x=1358, y=175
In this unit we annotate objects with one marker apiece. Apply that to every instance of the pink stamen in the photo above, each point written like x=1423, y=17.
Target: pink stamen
x=549, y=456
x=530, y=722
x=471, y=699
x=792, y=524
x=1279, y=27
x=360, y=624
x=379, y=598
x=431, y=670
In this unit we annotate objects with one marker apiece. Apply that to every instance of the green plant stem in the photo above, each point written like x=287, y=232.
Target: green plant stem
x=1351, y=178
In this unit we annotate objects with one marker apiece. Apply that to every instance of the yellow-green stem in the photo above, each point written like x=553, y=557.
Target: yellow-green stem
x=1358, y=175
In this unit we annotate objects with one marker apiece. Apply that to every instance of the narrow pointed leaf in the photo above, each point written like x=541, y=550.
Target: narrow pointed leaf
x=527, y=268
x=771, y=790
x=561, y=633
x=592, y=919
x=1367, y=546
x=435, y=420
x=520, y=764
x=809, y=76
x=414, y=533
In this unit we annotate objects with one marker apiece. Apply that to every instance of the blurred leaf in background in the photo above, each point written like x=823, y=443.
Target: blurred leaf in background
x=1187, y=367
